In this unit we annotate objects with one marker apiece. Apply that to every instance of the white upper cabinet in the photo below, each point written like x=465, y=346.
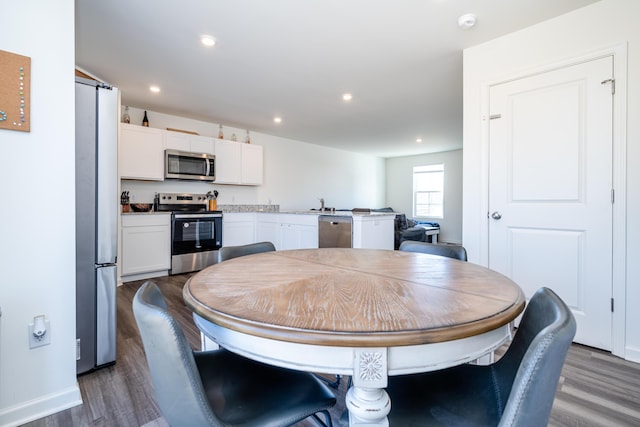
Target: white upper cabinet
x=251, y=164
x=228, y=162
x=238, y=163
x=178, y=141
x=190, y=143
x=141, y=153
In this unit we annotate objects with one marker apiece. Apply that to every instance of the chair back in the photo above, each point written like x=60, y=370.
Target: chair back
x=174, y=373
x=227, y=252
x=529, y=371
x=450, y=251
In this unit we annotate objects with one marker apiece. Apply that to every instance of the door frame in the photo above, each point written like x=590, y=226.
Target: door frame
x=619, y=164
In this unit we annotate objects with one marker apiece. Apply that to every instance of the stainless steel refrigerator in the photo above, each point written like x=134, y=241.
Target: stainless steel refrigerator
x=96, y=223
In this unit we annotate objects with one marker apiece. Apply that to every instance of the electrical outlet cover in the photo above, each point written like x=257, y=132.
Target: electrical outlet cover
x=46, y=338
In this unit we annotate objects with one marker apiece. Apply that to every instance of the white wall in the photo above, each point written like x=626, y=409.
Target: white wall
x=37, y=221
x=594, y=28
x=296, y=174
x=400, y=189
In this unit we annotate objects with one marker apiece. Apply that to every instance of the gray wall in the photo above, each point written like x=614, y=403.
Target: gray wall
x=399, y=189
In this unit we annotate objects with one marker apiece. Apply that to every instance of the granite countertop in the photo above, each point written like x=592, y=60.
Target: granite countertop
x=276, y=209
x=339, y=213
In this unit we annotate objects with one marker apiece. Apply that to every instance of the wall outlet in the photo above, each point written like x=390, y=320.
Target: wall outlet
x=45, y=339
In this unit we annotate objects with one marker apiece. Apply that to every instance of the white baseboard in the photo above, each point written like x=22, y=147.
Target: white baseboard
x=142, y=276
x=41, y=407
x=632, y=354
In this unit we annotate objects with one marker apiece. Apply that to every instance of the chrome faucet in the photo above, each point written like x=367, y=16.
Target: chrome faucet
x=321, y=205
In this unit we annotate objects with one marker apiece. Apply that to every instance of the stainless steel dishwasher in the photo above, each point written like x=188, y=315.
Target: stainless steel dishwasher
x=334, y=231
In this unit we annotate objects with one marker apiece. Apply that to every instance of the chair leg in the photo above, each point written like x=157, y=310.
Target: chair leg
x=327, y=417
x=334, y=384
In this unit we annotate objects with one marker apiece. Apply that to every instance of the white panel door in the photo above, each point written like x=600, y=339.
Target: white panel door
x=550, y=184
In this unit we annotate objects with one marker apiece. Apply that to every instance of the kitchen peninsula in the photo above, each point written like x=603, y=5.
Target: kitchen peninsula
x=299, y=229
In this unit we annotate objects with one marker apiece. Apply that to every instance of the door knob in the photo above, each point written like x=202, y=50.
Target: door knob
x=496, y=215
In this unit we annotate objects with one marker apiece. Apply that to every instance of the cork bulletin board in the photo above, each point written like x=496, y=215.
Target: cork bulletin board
x=15, y=90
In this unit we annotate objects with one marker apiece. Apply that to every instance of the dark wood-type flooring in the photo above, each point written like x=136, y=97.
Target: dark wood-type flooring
x=596, y=388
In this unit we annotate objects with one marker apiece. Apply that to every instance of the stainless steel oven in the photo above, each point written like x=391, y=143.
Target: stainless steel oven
x=196, y=233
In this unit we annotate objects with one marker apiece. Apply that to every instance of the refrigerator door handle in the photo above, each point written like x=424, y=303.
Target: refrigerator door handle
x=107, y=176
x=105, y=315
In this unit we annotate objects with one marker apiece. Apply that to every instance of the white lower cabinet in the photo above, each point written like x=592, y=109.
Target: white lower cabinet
x=373, y=232
x=288, y=231
x=267, y=228
x=298, y=231
x=238, y=228
x=146, y=244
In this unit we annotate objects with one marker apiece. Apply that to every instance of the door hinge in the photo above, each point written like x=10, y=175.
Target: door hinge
x=613, y=196
x=613, y=85
x=612, y=305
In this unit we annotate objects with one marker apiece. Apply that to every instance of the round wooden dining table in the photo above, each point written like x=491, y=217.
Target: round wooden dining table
x=360, y=312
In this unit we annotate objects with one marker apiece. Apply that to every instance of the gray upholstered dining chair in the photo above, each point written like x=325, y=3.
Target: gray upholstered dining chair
x=219, y=388
x=227, y=252
x=518, y=390
x=451, y=251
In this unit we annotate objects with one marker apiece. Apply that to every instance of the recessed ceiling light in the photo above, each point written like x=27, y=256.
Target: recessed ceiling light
x=154, y=89
x=347, y=97
x=277, y=119
x=418, y=139
x=207, y=40
x=467, y=21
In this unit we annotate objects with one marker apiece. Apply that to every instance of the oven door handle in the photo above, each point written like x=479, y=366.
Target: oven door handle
x=203, y=215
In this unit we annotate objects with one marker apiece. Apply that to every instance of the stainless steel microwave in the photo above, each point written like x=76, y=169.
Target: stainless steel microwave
x=189, y=166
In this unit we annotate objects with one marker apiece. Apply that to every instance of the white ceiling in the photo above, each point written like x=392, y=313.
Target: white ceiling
x=401, y=60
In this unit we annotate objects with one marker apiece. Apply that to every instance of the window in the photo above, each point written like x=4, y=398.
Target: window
x=428, y=191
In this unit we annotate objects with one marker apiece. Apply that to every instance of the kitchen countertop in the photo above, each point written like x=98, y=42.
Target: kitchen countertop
x=339, y=213
x=294, y=212
x=145, y=213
